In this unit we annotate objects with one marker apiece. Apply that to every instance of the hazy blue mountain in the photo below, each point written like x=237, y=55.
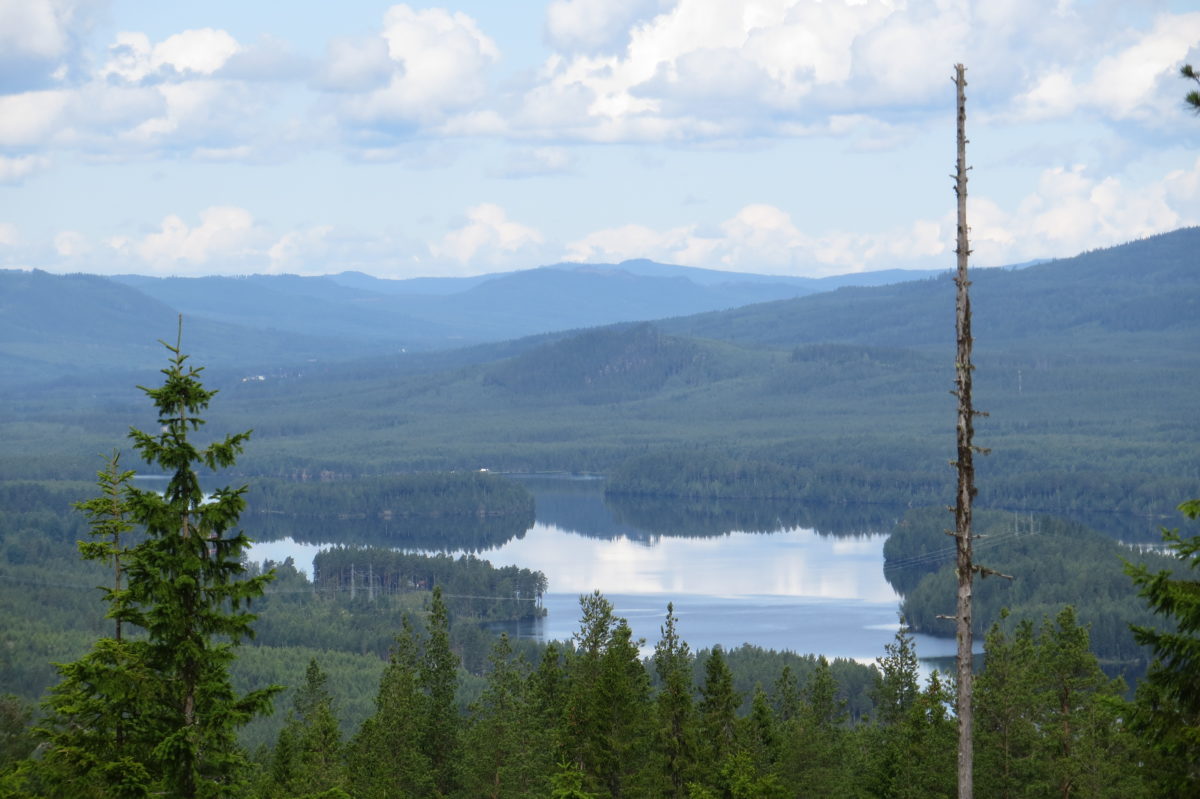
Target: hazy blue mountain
x=1147, y=285
x=542, y=300
x=440, y=313
x=414, y=285
x=638, y=266
x=55, y=326
x=810, y=285
x=317, y=306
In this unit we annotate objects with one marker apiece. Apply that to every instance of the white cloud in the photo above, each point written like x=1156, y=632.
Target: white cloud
x=726, y=68
x=705, y=65
x=1072, y=211
x=10, y=236
x=299, y=248
x=1137, y=80
x=267, y=59
x=29, y=119
x=593, y=25
x=759, y=238
x=193, y=52
x=355, y=64
x=240, y=152
x=201, y=52
x=145, y=98
x=535, y=162
x=71, y=243
x=761, y=234
x=906, y=60
x=213, y=118
x=438, y=64
x=130, y=58
x=34, y=27
x=613, y=245
x=488, y=238
x=226, y=235
x=39, y=40
x=15, y=170
x=867, y=71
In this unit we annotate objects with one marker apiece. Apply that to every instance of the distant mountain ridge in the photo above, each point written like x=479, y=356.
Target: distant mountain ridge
x=436, y=313
x=56, y=325
x=636, y=266
x=1151, y=284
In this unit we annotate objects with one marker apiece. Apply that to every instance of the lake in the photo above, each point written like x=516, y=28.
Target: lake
x=786, y=588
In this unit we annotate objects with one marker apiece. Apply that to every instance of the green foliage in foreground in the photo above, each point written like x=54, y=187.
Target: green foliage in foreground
x=1049, y=722
x=586, y=720
x=1169, y=698
x=158, y=713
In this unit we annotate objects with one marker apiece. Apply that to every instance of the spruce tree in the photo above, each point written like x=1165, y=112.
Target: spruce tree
x=1006, y=722
x=498, y=749
x=16, y=738
x=606, y=729
x=675, y=733
x=546, y=689
x=189, y=591
x=1168, y=700
x=823, y=710
x=1085, y=745
x=386, y=757
x=815, y=739
x=787, y=696
x=97, y=742
x=158, y=714
x=107, y=519
x=896, y=686
x=718, y=707
x=910, y=752
x=439, y=678
x=308, y=756
x=759, y=733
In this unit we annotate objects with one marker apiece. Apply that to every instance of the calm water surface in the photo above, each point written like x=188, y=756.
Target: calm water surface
x=791, y=589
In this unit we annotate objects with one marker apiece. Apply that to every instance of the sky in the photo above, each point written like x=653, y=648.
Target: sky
x=797, y=137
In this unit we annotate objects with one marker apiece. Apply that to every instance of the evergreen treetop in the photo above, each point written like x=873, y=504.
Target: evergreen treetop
x=158, y=714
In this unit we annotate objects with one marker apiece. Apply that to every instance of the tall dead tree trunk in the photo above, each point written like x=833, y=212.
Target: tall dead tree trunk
x=965, y=461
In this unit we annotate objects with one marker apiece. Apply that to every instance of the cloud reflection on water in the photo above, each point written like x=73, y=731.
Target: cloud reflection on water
x=794, y=563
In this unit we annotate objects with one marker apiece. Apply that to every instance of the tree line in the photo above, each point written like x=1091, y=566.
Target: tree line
x=394, y=496
x=476, y=588
x=592, y=718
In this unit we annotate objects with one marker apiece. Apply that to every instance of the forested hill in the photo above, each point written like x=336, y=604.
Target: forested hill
x=436, y=313
x=56, y=326
x=319, y=306
x=1152, y=285
x=79, y=325
x=53, y=326
x=1089, y=367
